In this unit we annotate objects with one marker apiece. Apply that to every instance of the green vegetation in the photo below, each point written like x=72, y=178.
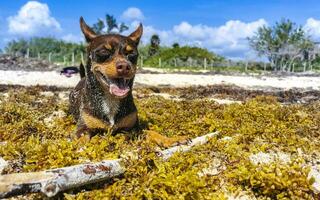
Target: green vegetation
x=181, y=57
x=282, y=44
x=44, y=46
x=34, y=138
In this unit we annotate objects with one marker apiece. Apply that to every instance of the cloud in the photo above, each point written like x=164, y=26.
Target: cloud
x=312, y=27
x=229, y=39
x=132, y=13
x=73, y=38
x=33, y=19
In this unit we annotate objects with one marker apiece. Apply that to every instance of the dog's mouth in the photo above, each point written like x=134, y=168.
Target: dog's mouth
x=118, y=87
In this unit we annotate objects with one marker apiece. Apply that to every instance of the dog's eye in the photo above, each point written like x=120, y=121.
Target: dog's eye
x=132, y=56
x=103, y=55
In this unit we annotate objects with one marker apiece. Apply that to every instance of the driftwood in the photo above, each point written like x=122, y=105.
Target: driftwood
x=51, y=182
x=3, y=164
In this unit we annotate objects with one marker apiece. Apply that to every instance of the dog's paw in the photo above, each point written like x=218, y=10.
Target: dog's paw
x=179, y=140
x=165, y=142
x=85, y=138
x=82, y=135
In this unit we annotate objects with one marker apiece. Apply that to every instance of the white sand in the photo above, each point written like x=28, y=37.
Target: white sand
x=50, y=78
x=53, y=78
x=242, y=81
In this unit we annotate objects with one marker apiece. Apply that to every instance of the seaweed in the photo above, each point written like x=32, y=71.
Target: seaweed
x=35, y=133
x=238, y=93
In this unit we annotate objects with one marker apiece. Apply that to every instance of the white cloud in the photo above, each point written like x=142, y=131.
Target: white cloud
x=229, y=39
x=132, y=13
x=312, y=27
x=73, y=38
x=232, y=34
x=32, y=19
x=197, y=32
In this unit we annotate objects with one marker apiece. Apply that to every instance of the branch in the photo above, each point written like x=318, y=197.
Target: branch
x=50, y=182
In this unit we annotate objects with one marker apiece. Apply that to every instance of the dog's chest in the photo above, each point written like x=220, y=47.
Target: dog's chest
x=110, y=108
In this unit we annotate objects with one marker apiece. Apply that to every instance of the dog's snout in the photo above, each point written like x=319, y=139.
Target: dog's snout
x=123, y=68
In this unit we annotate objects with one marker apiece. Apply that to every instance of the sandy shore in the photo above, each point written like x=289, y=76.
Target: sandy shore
x=53, y=78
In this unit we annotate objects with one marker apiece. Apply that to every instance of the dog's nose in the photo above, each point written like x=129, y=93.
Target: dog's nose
x=123, y=68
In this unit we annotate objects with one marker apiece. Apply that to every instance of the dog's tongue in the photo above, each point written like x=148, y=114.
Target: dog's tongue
x=118, y=91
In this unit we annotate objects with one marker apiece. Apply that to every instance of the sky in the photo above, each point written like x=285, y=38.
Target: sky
x=221, y=26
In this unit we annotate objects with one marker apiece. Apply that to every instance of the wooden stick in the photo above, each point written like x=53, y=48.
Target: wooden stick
x=50, y=182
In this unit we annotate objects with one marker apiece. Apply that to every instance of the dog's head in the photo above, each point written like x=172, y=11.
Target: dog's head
x=113, y=59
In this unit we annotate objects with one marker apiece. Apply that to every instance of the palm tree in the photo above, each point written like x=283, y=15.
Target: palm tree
x=154, y=45
x=123, y=27
x=111, y=24
x=155, y=40
x=99, y=26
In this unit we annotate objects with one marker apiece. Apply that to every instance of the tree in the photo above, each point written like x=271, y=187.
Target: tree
x=154, y=45
x=45, y=46
x=110, y=23
x=274, y=42
x=99, y=26
x=180, y=56
x=123, y=27
x=175, y=45
x=19, y=46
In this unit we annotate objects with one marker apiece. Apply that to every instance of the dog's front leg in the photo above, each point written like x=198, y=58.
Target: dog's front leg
x=81, y=130
x=88, y=125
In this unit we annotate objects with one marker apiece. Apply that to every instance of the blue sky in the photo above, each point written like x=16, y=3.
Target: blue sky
x=220, y=26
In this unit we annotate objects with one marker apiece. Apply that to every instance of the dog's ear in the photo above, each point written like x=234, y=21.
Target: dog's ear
x=89, y=34
x=136, y=35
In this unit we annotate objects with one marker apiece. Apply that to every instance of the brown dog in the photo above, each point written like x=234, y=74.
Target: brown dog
x=103, y=100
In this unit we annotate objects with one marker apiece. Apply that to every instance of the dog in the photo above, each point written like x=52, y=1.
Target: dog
x=103, y=100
